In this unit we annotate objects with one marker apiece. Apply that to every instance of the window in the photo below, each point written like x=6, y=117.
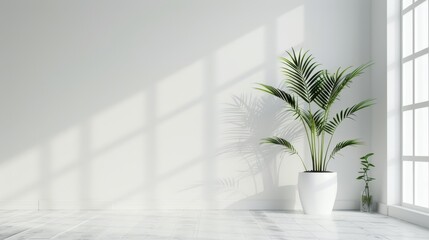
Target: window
x=415, y=104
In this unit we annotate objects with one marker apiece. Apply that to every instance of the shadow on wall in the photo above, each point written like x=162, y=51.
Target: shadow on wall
x=249, y=119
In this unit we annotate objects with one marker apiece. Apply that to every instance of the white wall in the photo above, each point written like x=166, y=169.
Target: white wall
x=386, y=88
x=379, y=90
x=130, y=104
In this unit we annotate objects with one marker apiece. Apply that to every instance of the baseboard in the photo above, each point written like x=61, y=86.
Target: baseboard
x=253, y=204
x=409, y=215
x=346, y=205
x=19, y=205
x=172, y=205
x=382, y=209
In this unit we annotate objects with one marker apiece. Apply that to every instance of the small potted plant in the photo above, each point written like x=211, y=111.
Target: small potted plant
x=310, y=95
x=366, y=203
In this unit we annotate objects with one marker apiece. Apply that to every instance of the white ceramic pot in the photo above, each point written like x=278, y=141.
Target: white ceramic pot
x=317, y=192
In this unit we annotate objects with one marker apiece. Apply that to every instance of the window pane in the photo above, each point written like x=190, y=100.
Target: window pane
x=415, y=99
x=407, y=133
x=421, y=26
x=407, y=34
x=421, y=132
x=421, y=181
x=407, y=182
x=406, y=3
x=407, y=83
x=421, y=78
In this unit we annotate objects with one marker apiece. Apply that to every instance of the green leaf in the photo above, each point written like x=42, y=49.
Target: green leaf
x=344, y=144
x=302, y=78
x=346, y=113
x=367, y=156
x=333, y=84
x=282, y=142
x=286, y=97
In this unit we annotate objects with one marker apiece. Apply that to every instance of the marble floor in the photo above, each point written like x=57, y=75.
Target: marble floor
x=202, y=224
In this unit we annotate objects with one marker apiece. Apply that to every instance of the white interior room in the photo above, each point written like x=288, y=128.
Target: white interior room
x=141, y=119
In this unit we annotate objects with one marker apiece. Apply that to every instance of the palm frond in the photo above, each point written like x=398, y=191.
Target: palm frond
x=289, y=148
x=282, y=142
x=319, y=122
x=333, y=84
x=291, y=101
x=343, y=144
x=346, y=113
x=302, y=78
x=327, y=85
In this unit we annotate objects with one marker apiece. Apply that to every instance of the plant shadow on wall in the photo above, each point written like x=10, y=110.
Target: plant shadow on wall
x=249, y=118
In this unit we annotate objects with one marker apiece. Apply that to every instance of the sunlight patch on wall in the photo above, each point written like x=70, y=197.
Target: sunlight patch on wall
x=118, y=170
x=180, y=88
x=180, y=139
x=21, y=171
x=240, y=56
x=65, y=148
x=191, y=185
x=291, y=166
x=65, y=153
x=118, y=121
x=290, y=29
x=65, y=186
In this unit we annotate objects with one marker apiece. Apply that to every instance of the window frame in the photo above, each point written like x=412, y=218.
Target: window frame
x=413, y=106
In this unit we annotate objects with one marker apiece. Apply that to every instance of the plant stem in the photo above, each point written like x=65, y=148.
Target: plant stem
x=308, y=140
x=326, y=160
x=323, y=159
x=313, y=154
x=313, y=149
x=322, y=145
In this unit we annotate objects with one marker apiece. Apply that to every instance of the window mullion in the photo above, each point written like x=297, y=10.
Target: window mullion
x=417, y=108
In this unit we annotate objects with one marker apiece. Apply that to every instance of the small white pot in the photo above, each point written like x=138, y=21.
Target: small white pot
x=317, y=192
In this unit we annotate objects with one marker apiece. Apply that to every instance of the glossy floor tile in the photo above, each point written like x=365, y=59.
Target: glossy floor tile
x=202, y=224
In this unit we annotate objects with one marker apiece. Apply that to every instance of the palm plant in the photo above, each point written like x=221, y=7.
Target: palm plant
x=310, y=95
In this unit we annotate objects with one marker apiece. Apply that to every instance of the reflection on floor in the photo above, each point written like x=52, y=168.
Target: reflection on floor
x=201, y=224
